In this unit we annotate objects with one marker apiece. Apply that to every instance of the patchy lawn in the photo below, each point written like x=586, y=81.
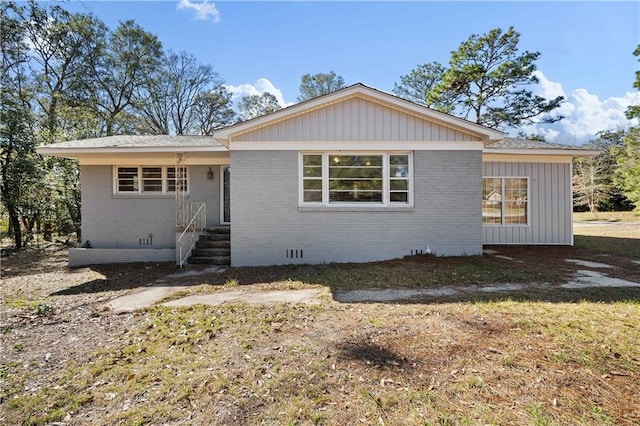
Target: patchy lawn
x=557, y=357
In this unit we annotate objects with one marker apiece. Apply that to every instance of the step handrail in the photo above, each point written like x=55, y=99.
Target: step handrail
x=191, y=232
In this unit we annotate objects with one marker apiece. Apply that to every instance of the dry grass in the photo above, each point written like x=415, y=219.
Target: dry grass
x=471, y=363
x=632, y=216
x=562, y=357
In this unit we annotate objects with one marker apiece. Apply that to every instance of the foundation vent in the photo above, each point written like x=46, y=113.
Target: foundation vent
x=294, y=253
x=148, y=241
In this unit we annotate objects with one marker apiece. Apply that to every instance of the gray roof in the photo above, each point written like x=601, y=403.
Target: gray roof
x=143, y=141
x=521, y=143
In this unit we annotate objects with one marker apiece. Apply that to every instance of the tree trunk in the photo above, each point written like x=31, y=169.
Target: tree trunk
x=15, y=224
x=75, y=218
x=48, y=231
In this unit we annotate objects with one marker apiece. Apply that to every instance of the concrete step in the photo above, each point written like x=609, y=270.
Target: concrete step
x=218, y=229
x=205, y=244
x=214, y=260
x=211, y=252
x=215, y=237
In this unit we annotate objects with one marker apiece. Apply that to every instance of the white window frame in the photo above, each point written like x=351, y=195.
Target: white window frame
x=386, y=202
x=140, y=191
x=502, y=223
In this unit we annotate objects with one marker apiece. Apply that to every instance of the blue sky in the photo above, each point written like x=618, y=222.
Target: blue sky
x=586, y=47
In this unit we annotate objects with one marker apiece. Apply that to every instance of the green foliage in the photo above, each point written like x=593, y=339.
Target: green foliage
x=419, y=86
x=312, y=86
x=257, y=105
x=19, y=164
x=45, y=309
x=487, y=81
x=634, y=110
x=627, y=175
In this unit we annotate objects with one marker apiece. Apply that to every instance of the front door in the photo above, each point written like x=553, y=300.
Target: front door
x=225, y=195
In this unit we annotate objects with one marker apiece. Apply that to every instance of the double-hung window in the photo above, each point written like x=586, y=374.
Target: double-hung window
x=355, y=178
x=149, y=179
x=505, y=200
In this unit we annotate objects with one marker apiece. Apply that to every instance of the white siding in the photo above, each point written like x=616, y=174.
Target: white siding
x=355, y=119
x=550, y=204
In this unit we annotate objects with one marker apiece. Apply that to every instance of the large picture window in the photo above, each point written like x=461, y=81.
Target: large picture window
x=355, y=178
x=505, y=201
x=149, y=179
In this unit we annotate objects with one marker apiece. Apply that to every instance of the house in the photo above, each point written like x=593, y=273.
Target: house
x=353, y=176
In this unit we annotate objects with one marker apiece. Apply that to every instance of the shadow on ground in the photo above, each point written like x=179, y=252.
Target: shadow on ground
x=629, y=247
x=126, y=276
x=370, y=354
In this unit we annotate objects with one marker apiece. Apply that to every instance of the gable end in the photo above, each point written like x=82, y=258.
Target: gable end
x=357, y=118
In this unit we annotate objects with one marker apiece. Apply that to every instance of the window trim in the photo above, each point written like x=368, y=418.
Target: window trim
x=325, y=203
x=502, y=210
x=140, y=192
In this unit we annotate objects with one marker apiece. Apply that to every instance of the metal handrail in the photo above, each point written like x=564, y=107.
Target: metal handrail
x=191, y=232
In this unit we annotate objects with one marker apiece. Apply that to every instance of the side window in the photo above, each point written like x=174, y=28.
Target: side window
x=149, y=179
x=505, y=201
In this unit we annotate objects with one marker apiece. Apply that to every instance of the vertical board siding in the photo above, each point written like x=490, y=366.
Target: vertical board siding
x=355, y=119
x=549, y=204
x=267, y=223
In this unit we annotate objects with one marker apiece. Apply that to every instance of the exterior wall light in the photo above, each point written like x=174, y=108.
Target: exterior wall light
x=210, y=173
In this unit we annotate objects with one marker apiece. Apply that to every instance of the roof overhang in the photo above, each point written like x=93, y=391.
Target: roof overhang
x=70, y=152
x=122, y=146
x=543, y=151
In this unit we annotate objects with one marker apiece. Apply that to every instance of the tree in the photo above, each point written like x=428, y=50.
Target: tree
x=19, y=164
x=634, y=110
x=63, y=46
x=312, y=86
x=627, y=157
x=487, y=81
x=256, y=105
x=593, y=181
x=419, y=86
x=126, y=58
x=167, y=101
x=212, y=111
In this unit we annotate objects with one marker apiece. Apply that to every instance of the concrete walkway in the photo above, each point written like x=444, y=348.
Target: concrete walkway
x=253, y=297
x=178, y=281
x=174, y=283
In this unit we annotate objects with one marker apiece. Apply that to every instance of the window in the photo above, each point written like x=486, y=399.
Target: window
x=355, y=178
x=152, y=179
x=505, y=200
x=149, y=180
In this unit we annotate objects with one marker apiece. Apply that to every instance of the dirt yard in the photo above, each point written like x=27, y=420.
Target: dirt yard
x=559, y=356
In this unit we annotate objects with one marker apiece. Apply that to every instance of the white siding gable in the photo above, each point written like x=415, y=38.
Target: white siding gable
x=357, y=118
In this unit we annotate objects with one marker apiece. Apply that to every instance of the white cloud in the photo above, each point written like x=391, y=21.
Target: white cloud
x=584, y=113
x=204, y=11
x=258, y=88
